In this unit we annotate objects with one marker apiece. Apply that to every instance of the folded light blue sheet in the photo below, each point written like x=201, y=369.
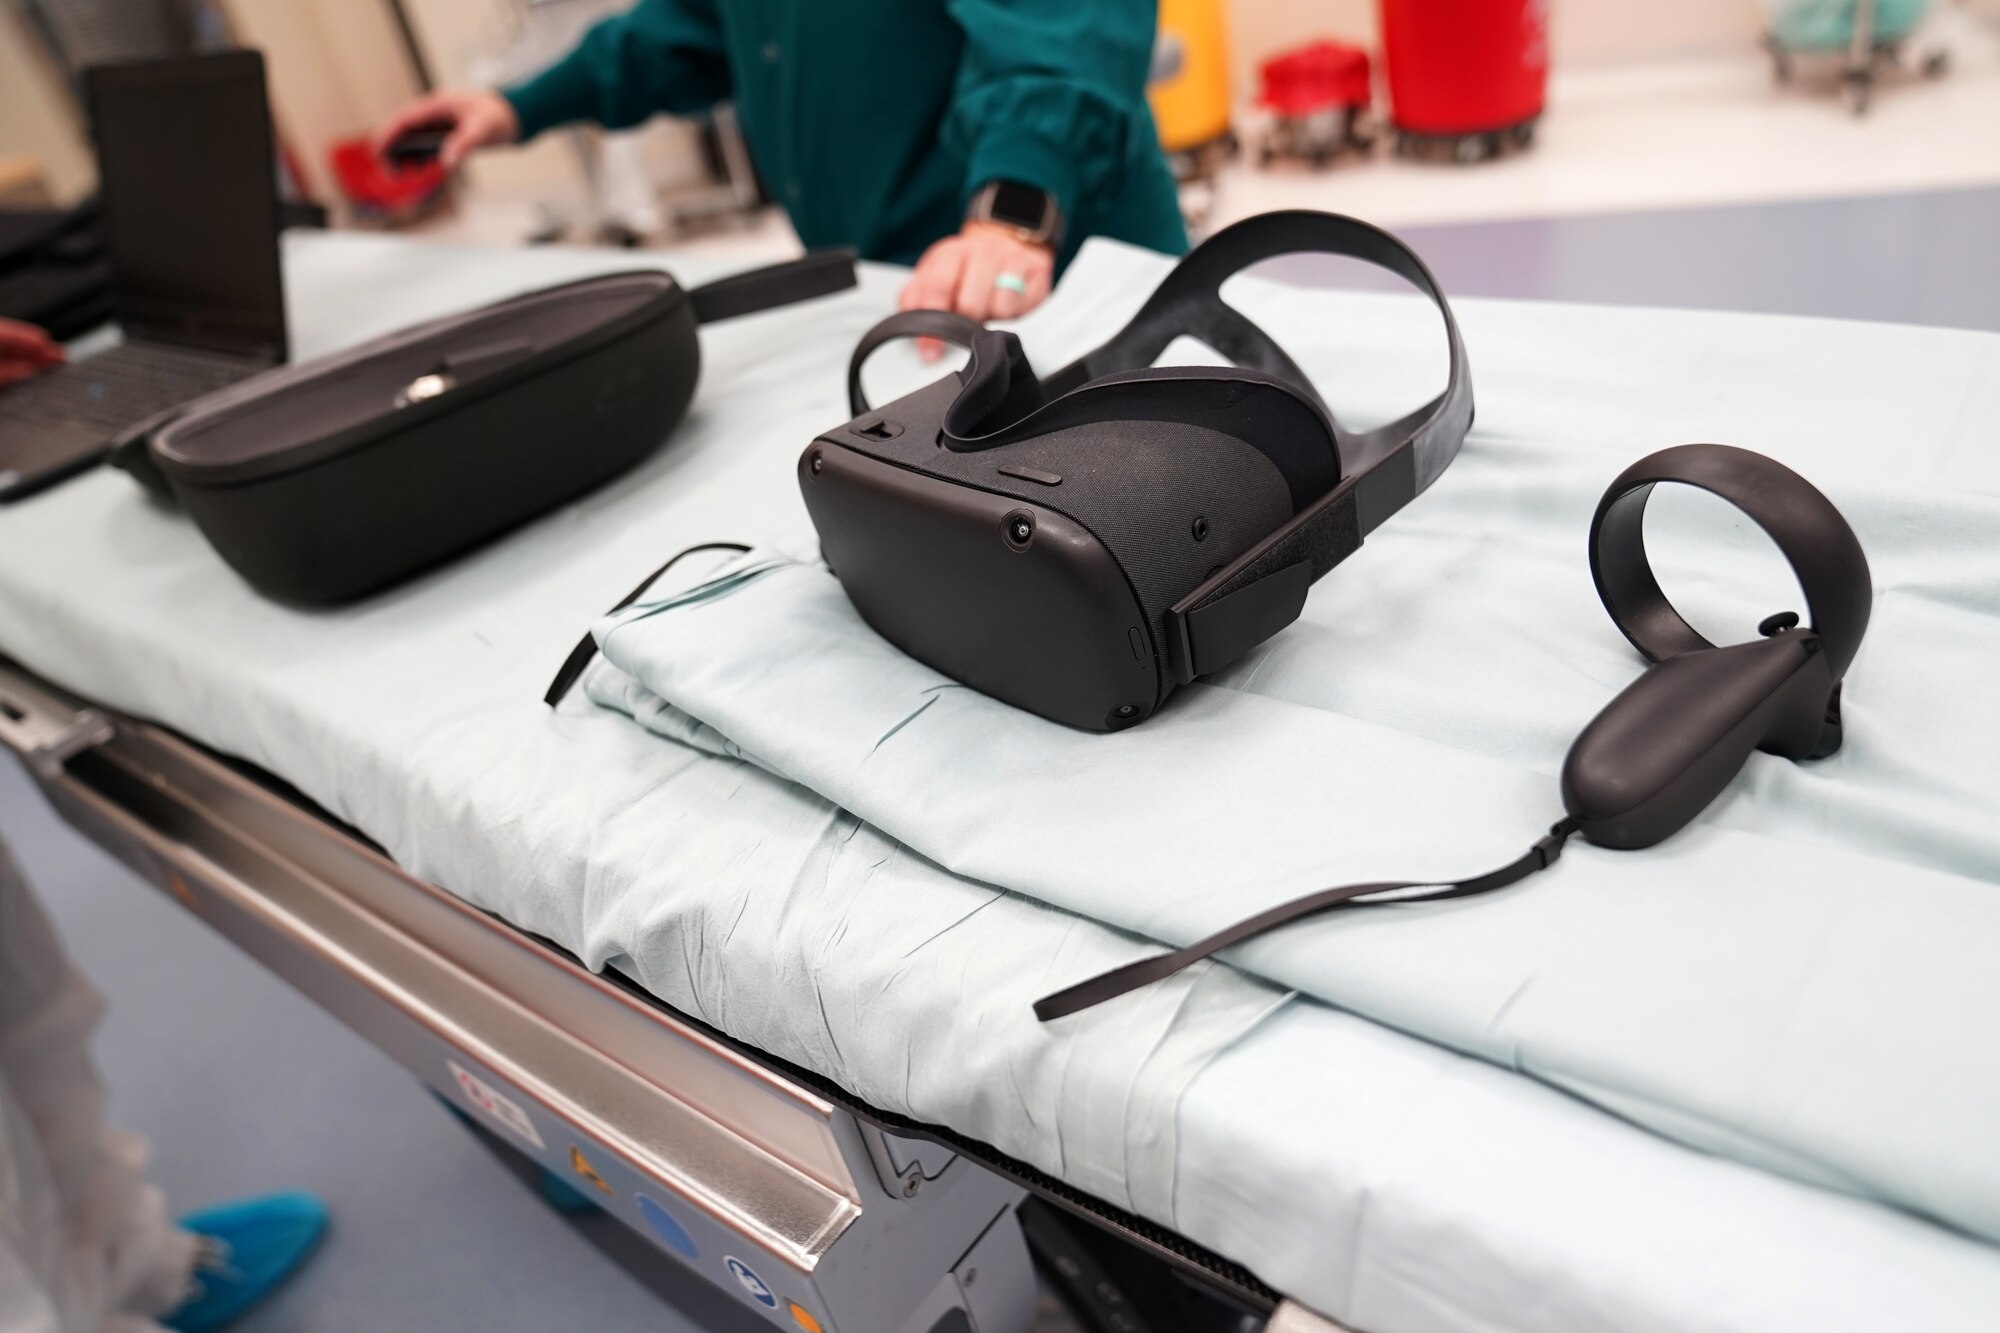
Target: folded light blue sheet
x=1381, y=1178
x=1807, y=980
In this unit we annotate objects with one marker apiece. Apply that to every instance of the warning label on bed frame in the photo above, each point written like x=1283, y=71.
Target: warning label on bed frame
x=504, y=1109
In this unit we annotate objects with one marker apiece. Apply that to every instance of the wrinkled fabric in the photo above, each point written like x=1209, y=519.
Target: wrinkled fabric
x=85, y=1244
x=1783, y=982
x=1814, y=980
x=1387, y=1181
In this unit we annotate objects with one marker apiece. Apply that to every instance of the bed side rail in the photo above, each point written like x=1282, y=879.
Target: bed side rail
x=760, y=1186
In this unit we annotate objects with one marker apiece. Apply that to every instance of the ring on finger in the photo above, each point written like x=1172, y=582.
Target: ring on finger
x=1011, y=282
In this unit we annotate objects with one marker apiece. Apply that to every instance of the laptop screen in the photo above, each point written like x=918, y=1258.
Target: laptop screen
x=187, y=169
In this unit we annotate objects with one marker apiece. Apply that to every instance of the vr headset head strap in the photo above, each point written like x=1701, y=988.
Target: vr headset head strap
x=944, y=325
x=1189, y=302
x=1202, y=315
x=1264, y=589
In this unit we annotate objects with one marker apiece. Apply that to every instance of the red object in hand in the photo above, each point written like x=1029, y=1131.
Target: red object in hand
x=1465, y=66
x=1321, y=76
x=376, y=186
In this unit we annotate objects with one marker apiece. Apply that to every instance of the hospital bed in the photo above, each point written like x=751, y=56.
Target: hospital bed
x=373, y=803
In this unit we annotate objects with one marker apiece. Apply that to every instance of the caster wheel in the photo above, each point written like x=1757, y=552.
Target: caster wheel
x=1368, y=130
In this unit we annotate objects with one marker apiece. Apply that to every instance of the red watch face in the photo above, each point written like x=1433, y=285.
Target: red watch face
x=1019, y=205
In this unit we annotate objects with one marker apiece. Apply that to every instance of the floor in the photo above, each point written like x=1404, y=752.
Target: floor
x=1927, y=257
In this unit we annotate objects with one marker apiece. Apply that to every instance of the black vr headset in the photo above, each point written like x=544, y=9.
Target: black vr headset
x=1081, y=545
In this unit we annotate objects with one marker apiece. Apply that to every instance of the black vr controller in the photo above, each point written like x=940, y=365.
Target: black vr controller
x=1668, y=745
x=1081, y=545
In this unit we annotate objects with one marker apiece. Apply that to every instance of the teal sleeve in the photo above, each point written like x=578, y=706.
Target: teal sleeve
x=1052, y=93
x=662, y=55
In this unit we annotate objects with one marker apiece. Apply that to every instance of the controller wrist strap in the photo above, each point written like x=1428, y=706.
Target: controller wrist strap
x=1110, y=985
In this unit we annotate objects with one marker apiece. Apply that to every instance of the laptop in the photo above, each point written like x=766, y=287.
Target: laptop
x=187, y=169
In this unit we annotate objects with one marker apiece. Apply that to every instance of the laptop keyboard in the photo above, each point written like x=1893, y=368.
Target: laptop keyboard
x=120, y=387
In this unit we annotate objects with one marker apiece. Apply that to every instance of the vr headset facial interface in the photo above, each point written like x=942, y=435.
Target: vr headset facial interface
x=1082, y=545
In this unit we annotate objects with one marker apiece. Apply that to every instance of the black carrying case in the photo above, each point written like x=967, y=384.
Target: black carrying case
x=324, y=482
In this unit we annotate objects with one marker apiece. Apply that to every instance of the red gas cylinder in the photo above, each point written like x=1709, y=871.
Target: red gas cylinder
x=1321, y=76
x=1466, y=77
x=1318, y=99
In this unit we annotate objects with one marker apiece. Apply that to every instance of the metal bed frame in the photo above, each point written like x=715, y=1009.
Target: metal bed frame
x=818, y=1213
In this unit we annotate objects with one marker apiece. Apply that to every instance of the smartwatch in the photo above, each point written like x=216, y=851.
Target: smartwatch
x=1030, y=213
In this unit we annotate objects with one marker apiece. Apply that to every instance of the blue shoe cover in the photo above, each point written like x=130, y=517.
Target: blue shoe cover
x=250, y=1247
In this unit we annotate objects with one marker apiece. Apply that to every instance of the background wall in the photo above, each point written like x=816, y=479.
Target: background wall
x=36, y=119
x=339, y=67
x=1580, y=31
x=336, y=67
x=458, y=37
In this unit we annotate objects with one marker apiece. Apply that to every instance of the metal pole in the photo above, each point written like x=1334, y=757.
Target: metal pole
x=411, y=46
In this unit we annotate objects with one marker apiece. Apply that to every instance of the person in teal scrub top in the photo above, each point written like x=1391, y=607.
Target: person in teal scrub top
x=981, y=140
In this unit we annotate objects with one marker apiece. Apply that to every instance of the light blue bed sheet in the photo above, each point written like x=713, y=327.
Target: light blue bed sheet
x=1381, y=1178
x=1808, y=979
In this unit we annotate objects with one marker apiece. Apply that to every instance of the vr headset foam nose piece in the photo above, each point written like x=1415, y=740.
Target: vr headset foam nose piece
x=999, y=390
x=1081, y=545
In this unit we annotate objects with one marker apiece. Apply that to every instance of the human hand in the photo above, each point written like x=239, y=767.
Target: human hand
x=984, y=272
x=26, y=351
x=476, y=119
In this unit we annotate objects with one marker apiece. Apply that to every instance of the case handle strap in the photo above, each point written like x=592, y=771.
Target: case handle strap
x=820, y=273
